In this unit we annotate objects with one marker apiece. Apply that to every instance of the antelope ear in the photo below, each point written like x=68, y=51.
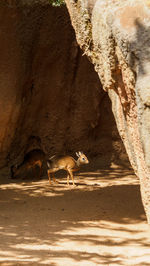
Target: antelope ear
x=77, y=154
x=48, y=164
x=80, y=152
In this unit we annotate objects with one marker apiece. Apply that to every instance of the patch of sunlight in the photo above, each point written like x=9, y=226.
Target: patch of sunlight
x=33, y=188
x=13, y=257
x=91, y=249
x=33, y=246
x=66, y=261
x=104, y=231
x=62, y=246
x=141, y=259
x=8, y=234
x=11, y=186
x=107, y=179
x=63, y=249
x=6, y=253
x=17, y=258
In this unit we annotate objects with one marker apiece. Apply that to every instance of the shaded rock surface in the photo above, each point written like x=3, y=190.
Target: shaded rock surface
x=50, y=95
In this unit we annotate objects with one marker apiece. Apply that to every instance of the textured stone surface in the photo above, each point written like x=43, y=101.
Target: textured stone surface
x=50, y=95
x=117, y=38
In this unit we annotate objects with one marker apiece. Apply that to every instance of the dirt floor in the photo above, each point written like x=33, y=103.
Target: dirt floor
x=101, y=221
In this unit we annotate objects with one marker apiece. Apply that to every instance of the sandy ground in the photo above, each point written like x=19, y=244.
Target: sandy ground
x=99, y=222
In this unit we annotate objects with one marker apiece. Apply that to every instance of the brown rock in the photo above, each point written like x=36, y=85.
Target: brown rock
x=116, y=36
x=50, y=95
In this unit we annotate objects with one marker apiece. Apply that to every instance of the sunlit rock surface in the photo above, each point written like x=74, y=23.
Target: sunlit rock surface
x=116, y=36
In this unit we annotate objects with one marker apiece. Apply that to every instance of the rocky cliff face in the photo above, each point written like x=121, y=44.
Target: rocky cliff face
x=50, y=95
x=116, y=36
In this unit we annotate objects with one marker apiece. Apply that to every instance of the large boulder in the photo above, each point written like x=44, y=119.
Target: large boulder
x=116, y=36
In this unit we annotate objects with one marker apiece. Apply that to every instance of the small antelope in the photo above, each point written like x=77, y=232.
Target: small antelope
x=31, y=159
x=67, y=163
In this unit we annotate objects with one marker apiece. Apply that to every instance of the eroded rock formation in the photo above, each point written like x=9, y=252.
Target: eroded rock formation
x=116, y=37
x=50, y=95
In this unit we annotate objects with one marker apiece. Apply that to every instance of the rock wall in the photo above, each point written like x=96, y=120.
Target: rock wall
x=116, y=36
x=50, y=95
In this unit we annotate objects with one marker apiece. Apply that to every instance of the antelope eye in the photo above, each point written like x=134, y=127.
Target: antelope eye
x=83, y=159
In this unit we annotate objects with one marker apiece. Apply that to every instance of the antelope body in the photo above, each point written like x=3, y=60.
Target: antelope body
x=67, y=163
x=31, y=159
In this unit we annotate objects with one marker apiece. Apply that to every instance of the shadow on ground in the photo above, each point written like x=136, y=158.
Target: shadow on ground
x=96, y=223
